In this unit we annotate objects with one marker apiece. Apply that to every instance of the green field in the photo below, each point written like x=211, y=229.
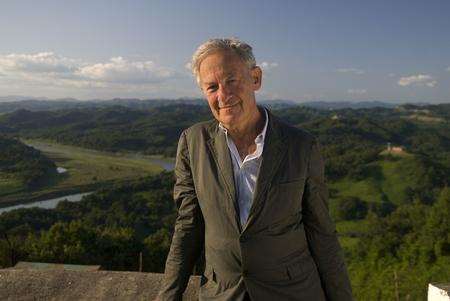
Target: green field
x=389, y=178
x=9, y=184
x=85, y=169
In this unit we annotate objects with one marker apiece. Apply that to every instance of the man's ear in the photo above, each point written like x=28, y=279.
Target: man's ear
x=256, y=77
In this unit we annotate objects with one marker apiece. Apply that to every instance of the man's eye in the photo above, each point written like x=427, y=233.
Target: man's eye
x=211, y=88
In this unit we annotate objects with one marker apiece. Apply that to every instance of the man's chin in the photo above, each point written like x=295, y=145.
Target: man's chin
x=229, y=116
x=228, y=120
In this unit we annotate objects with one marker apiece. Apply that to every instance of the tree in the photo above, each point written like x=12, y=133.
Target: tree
x=350, y=208
x=156, y=248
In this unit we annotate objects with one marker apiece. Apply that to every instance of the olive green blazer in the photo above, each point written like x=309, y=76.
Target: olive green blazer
x=287, y=250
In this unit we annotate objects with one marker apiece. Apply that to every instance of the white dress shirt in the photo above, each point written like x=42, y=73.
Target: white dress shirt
x=246, y=171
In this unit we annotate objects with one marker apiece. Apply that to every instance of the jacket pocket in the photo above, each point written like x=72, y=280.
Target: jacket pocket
x=209, y=274
x=290, y=190
x=286, y=197
x=210, y=287
x=298, y=180
x=288, y=223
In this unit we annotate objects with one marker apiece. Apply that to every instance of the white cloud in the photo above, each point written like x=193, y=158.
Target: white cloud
x=357, y=91
x=417, y=80
x=119, y=70
x=351, y=70
x=39, y=63
x=266, y=66
x=188, y=67
x=49, y=69
x=448, y=69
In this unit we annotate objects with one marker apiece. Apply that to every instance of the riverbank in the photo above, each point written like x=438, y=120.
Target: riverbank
x=42, y=196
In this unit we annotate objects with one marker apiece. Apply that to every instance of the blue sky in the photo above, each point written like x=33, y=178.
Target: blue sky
x=309, y=50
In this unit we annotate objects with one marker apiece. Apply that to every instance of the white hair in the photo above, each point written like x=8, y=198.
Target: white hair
x=240, y=48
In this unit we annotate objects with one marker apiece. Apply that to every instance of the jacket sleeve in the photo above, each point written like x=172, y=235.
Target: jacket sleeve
x=187, y=240
x=321, y=232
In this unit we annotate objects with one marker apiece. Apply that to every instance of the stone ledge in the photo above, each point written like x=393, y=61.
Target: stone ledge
x=19, y=284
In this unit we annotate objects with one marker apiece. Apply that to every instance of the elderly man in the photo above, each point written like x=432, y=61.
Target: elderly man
x=250, y=189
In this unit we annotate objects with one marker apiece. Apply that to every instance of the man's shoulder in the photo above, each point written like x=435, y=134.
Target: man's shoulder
x=201, y=130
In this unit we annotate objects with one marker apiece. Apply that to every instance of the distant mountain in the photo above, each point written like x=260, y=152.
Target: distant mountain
x=133, y=103
x=278, y=104
x=12, y=103
x=336, y=105
x=10, y=98
x=70, y=103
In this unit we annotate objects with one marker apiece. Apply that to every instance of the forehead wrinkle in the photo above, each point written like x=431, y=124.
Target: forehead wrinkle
x=215, y=76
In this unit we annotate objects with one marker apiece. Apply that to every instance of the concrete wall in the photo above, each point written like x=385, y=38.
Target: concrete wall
x=25, y=284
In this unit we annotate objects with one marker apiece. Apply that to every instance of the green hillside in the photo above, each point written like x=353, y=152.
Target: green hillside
x=393, y=178
x=115, y=128
x=23, y=168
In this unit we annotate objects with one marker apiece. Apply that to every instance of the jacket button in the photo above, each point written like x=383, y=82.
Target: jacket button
x=242, y=238
x=244, y=273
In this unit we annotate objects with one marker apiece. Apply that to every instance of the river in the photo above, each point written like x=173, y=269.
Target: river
x=47, y=204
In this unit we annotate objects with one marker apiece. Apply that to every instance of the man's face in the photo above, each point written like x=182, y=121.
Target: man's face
x=229, y=86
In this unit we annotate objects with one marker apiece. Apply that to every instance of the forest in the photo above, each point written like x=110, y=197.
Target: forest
x=391, y=206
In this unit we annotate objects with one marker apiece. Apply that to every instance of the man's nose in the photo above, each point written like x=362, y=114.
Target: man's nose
x=223, y=94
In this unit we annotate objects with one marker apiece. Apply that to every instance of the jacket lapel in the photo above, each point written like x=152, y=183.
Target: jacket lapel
x=272, y=156
x=219, y=150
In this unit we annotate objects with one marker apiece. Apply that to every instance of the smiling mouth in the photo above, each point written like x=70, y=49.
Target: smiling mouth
x=229, y=106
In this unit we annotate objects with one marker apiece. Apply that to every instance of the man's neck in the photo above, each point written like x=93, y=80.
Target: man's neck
x=244, y=137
